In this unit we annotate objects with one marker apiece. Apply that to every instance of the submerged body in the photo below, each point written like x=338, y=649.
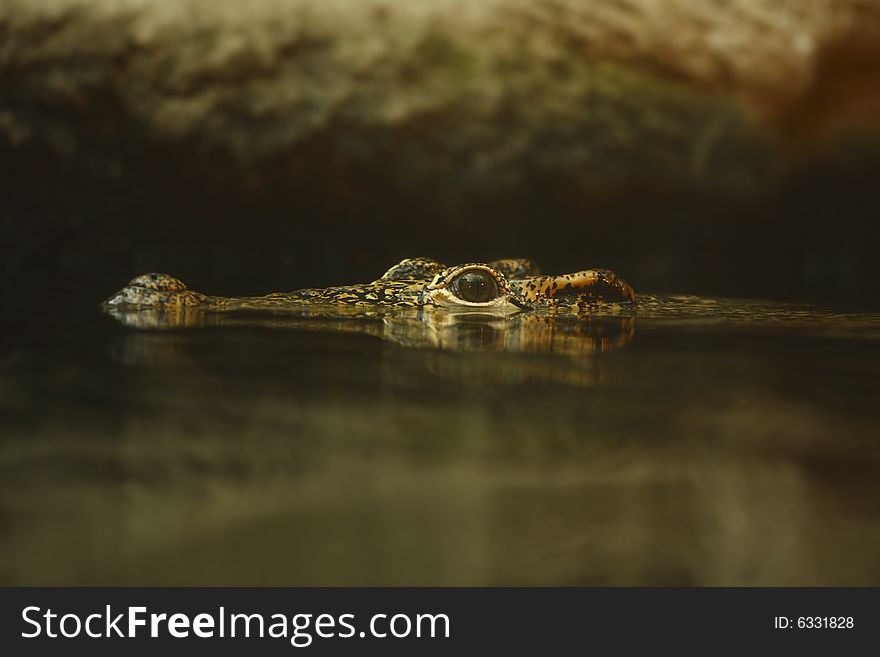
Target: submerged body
x=502, y=285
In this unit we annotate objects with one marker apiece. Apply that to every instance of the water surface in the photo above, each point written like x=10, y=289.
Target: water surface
x=695, y=442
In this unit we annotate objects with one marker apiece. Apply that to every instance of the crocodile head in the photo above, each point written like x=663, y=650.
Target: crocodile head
x=503, y=286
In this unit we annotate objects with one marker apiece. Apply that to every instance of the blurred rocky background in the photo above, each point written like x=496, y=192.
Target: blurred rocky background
x=727, y=147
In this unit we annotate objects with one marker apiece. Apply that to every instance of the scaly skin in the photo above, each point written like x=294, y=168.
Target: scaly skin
x=509, y=285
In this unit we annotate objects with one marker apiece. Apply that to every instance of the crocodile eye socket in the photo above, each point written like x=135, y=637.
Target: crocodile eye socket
x=475, y=286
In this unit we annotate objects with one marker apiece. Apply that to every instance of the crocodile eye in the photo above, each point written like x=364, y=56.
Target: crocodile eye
x=475, y=286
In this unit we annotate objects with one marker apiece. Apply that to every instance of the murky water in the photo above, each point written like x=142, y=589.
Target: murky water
x=697, y=441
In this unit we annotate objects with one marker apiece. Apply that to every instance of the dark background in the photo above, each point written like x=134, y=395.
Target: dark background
x=811, y=237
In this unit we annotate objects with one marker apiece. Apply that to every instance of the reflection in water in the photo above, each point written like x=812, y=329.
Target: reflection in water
x=697, y=442
x=568, y=341
x=607, y=327
x=425, y=328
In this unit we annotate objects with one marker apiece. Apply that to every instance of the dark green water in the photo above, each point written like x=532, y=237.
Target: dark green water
x=702, y=442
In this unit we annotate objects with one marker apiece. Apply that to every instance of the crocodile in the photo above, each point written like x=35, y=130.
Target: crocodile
x=500, y=286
